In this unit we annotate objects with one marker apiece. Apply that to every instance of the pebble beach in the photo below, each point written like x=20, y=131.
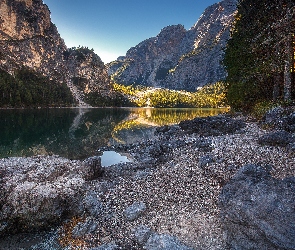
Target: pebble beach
x=178, y=195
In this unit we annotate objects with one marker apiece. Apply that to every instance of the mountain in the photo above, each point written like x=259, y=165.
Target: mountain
x=178, y=58
x=28, y=39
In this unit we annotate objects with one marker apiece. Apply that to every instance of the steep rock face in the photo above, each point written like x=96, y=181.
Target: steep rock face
x=28, y=38
x=86, y=74
x=177, y=58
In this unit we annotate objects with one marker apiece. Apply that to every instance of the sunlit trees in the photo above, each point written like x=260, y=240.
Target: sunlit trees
x=210, y=96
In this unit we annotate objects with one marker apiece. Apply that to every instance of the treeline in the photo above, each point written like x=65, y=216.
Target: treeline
x=30, y=89
x=210, y=96
x=96, y=99
x=259, y=57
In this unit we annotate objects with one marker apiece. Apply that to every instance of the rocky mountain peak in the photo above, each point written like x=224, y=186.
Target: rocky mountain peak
x=177, y=58
x=29, y=39
x=23, y=19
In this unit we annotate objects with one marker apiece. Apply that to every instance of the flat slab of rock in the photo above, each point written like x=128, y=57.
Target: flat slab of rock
x=258, y=211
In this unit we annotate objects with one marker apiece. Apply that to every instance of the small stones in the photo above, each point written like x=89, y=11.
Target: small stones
x=134, y=211
x=181, y=192
x=162, y=129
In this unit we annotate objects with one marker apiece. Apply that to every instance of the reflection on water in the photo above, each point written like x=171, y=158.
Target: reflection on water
x=78, y=133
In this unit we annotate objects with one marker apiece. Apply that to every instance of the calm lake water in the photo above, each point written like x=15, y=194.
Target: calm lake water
x=77, y=133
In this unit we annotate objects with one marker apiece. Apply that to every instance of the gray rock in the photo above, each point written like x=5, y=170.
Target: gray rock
x=33, y=241
x=258, y=211
x=277, y=138
x=92, y=204
x=84, y=228
x=213, y=125
x=134, y=211
x=141, y=234
x=164, y=242
x=290, y=122
x=205, y=160
x=94, y=168
x=40, y=191
x=108, y=246
x=280, y=118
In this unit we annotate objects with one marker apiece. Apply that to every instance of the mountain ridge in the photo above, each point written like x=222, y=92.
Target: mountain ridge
x=177, y=58
x=29, y=39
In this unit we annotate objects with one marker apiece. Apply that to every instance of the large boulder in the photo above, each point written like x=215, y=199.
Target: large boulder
x=276, y=138
x=212, y=125
x=280, y=118
x=258, y=211
x=41, y=191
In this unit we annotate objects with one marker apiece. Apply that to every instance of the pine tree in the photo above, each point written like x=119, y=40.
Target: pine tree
x=259, y=56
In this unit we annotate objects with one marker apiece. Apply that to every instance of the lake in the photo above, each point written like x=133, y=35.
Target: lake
x=77, y=133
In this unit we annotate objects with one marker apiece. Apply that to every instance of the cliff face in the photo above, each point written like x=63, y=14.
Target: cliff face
x=28, y=38
x=177, y=58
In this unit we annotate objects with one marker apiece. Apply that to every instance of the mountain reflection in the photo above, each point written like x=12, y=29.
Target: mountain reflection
x=78, y=133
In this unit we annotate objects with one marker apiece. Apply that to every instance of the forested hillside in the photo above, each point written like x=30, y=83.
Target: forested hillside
x=28, y=88
x=259, y=56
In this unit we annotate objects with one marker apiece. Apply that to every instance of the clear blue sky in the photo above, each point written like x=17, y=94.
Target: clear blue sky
x=111, y=27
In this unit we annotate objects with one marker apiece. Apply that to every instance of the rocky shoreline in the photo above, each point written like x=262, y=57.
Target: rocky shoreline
x=194, y=186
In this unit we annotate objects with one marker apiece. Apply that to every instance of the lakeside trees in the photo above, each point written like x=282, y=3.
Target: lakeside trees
x=259, y=57
x=30, y=89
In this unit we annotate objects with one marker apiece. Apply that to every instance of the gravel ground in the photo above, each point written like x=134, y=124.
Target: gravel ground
x=180, y=194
